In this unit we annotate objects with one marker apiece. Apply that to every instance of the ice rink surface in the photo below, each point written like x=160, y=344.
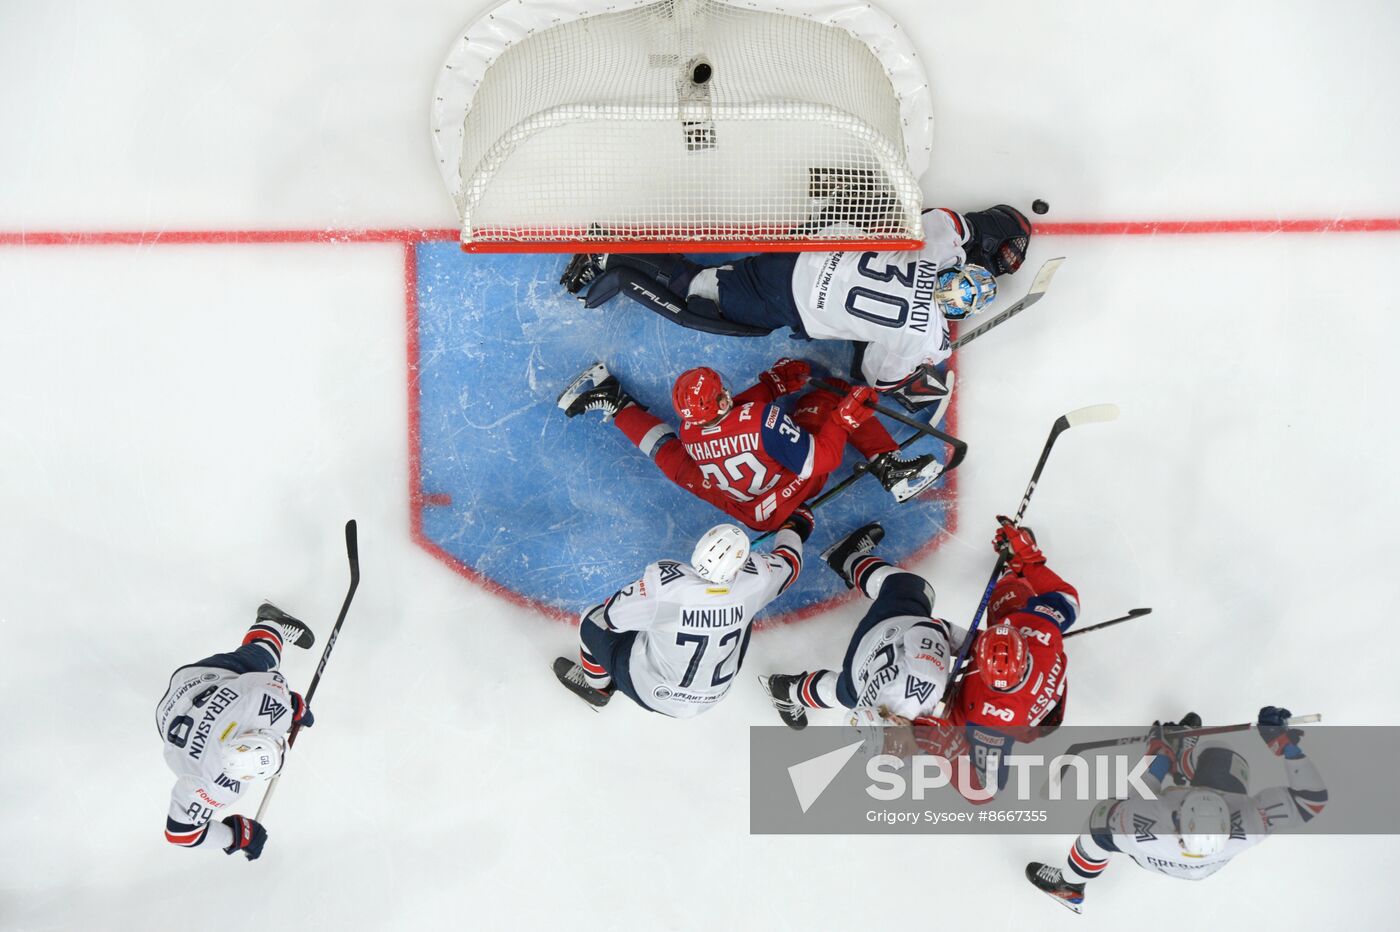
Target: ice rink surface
x=186, y=427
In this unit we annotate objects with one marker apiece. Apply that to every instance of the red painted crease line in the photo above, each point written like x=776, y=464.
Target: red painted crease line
x=416, y=235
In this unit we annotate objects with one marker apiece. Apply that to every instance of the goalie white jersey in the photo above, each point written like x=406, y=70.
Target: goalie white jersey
x=900, y=667
x=884, y=299
x=1145, y=829
x=203, y=706
x=692, y=633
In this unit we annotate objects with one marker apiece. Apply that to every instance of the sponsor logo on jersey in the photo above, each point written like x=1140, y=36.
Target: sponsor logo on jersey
x=716, y=590
x=1142, y=828
x=208, y=799
x=670, y=571
x=725, y=617
x=272, y=709
x=771, y=421
x=220, y=701
x=1237, y=824
x=662, y=692
x=227, y=781
x=1036, y=634
x=915, y=688
x=1006, y=715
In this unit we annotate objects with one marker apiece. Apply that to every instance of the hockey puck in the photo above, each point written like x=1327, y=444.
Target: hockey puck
x=1039, y=206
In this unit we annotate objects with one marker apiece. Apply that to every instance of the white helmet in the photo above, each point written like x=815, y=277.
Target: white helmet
x=721, y=553
x=254, y=755
x=1202, y=824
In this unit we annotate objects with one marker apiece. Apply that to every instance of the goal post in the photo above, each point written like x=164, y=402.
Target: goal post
x=683, y=125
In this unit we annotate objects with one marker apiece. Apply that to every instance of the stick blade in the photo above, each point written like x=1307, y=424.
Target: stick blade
x=1093, y=414
x=1042, y=278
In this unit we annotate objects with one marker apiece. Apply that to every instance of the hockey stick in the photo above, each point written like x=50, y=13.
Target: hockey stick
x=352, y=551
x=1077, y=750
x=1134, y=613
x=1037, y=291
x=1093, y=414
x=859, y=470
x=959, y=447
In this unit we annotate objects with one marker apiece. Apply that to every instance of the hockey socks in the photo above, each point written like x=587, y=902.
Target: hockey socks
x=816, y=690
x=1085, y=861
x=869, y=573
x=593, y=672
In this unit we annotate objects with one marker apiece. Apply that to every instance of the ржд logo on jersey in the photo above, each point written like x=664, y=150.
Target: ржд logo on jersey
x=272, y=709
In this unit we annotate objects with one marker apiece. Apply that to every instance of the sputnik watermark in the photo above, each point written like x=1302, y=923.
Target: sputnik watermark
x=1113, y=777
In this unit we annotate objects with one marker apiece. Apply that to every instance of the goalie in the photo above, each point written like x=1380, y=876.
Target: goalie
x=895, y=306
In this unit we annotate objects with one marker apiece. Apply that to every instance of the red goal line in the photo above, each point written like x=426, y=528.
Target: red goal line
x=415, y=235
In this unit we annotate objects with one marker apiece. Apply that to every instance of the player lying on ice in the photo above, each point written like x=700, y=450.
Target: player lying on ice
x=895, y=306
x=224, y=721
x=743, y=453
x=673, y=640
x=1190, y=831
x=1017, y=689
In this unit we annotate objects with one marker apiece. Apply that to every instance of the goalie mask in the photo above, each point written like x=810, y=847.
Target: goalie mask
x=964, y=291
x=254, y=755
x=721, y=553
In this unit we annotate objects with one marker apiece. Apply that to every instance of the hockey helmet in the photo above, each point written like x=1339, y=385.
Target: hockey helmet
x=964, y=290
x=699, y=395
x=1202, y=823
x=1002, y=661
x=254, y=755
x=1220, y=768
x=721, y=553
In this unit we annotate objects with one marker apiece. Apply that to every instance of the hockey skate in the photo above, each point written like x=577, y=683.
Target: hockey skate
x=594, y=389
x=581, y=270
x=294, y=630
x=857, y=543
x=779, y=688
x=905, y=478
x=1050, y=881
x=576, y=682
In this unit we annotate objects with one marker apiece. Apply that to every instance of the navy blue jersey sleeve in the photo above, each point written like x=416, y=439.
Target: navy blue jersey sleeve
x=983, y=745
x=789, y=445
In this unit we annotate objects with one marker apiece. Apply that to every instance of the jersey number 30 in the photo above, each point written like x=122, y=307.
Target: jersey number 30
x=880, y=307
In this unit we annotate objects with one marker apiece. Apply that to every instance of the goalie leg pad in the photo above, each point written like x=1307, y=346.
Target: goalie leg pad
x=698, y=314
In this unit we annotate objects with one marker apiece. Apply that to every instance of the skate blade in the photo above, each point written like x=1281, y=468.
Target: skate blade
x=581, y=383
x=906, y=489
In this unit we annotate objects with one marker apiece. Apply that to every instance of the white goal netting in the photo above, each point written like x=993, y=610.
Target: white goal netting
x=682, y=121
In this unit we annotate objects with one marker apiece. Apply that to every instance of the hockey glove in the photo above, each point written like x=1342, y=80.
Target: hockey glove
x=998, y=239
x=1017, y=545
x=1159, y=744
x=800, y=522
x=854, y=410
x=301, y=712
x=786, y=376
x=248, y=836
x=1274, y=730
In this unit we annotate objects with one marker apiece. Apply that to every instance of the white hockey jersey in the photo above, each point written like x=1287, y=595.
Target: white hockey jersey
x=693, y=634
x=1145, y=830
x=884, y=299
x=901, y=667
x=202, y=707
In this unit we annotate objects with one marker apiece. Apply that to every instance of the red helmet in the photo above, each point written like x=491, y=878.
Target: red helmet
x=1001, y=657
x=697, y=394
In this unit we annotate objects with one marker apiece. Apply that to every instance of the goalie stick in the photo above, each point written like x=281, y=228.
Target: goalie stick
x=1039, y=286
x=352, y=552
x=1093, y=414
x=959, y=447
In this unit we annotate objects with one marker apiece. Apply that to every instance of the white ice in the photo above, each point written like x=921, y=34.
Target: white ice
x=185, y=428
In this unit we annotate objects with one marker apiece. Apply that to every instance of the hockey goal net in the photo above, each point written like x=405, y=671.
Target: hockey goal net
x=683, y=125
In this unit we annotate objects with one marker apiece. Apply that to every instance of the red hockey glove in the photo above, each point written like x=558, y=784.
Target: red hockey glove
x=301, y=712
x=248, y=836
x=786, y=376
x=854, y=410
x=801, y=522
x=1017, y=545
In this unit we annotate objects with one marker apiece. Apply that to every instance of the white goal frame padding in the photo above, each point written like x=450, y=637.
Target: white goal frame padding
x=507, y=24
